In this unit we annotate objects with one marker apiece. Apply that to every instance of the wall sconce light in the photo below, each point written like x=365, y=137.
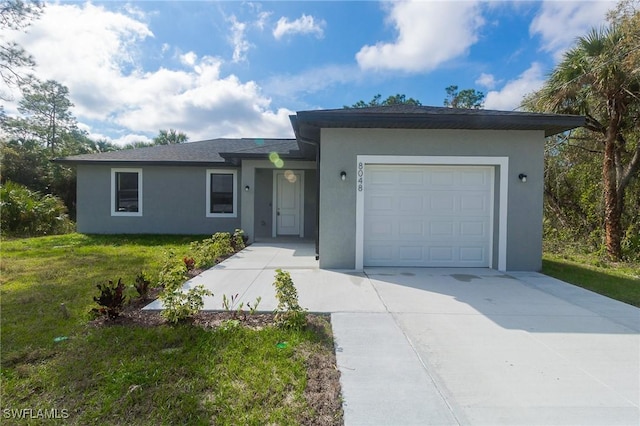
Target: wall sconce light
x=246, y=188
x=343, y=175
x=522, y=177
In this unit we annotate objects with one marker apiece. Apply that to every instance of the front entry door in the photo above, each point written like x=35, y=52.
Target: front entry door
x=288, y=195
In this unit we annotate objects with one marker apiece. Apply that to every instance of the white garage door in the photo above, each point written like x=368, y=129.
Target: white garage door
x=428, y=215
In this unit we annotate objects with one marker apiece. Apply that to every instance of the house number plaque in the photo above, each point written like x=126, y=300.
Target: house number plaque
x=360, y=176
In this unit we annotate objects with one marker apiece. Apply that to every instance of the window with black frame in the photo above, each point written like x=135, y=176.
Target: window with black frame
x=222, y=190
x=127, y=192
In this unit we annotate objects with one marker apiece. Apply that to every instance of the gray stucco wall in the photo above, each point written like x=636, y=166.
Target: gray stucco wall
x=174, y=202
x=339, y=150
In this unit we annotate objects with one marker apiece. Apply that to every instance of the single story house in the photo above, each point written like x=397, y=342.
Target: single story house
x=382, y=186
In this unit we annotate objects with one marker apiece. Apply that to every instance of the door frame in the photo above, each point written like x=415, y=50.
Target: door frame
x=274, y=203
x=502, y=174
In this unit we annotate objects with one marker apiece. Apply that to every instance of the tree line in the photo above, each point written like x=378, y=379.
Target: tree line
x=45, y=127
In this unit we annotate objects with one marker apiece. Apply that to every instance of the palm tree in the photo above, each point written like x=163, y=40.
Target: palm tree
x=170, y=137
x=596, y=79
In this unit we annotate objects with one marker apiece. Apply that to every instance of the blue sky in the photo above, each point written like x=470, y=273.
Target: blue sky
x=239, y=69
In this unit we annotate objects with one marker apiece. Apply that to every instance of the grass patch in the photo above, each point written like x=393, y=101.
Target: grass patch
x=619, y=281
x=37, y=275
x=168, y=375
x=119, y=374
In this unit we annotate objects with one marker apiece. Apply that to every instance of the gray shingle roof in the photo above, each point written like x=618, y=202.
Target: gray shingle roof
x=209, y=151
x=427, y=117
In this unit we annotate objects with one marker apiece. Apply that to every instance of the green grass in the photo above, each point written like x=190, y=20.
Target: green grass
x=38, y=274
x=619, y=281
x=133, y=375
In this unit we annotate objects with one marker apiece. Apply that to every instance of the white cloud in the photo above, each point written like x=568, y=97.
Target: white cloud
x=486, y=80
x=94, y=52
x=559, y=23
x=240, y=44
x=510, y=96
x=189, y=58
x=263, y=19
x=306, y=24
x=429, y=34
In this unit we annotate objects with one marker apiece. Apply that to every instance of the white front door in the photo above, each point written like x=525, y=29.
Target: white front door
x=288, y=203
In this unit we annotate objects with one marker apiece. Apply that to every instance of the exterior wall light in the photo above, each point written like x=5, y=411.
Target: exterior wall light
x=522, y=177
x=343, y=175
x=246, y=188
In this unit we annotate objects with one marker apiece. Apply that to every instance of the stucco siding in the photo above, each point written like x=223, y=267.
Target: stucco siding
x=339, y=151
x=173, y=200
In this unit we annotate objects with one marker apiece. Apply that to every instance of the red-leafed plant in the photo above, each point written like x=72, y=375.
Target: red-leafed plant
x=111, y=299
x=189, y=262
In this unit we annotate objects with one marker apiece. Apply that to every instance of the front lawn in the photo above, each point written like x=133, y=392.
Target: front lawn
x=620, y=282
x=55, y=362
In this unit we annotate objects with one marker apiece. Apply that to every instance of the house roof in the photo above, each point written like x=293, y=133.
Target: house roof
x=306, y=124
x=202, y=152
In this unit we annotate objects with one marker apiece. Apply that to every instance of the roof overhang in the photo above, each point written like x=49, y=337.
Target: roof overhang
x=307, y=124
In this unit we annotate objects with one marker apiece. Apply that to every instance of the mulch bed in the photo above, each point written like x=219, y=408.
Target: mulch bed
x=323, y=378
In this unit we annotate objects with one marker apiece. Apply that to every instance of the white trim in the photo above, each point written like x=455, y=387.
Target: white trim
x=113, y=191
x=502, y=162
x=274, y=202
x=235, y=192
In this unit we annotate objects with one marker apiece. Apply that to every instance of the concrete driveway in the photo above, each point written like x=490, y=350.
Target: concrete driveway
x=489, y=349
x=457, y=346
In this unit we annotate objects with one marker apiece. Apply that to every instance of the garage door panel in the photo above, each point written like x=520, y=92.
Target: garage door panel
x=379, y=253
x=380, y=229
x=412, y=230
x=474, y=203
x=473, y=229
x=442, y=178
x=442, y=202
x=427, y=215
x=473, y=179
x=411, y=178
x=440, y=254
x=410, y=204
x=441, y=229
x=382, y=177
x=471, y=254
x=380, y=203
x=410, y=253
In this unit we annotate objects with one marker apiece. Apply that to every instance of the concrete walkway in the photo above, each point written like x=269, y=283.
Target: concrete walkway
x=457, y=346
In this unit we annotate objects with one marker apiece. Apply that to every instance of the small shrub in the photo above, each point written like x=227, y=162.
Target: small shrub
x=254, y=308
x=111, y=299
x=142, y=285
x=289, y=314
x=179, y=306
x=238, y=240
x=173, y=273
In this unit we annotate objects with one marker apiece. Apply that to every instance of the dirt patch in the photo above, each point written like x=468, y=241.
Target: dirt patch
x=323, y=377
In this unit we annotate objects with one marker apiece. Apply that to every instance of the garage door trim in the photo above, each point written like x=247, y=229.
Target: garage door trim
x=361, y=184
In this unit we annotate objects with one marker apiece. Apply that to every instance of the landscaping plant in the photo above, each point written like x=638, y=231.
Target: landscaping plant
x=289, y=314
x=206, y=252
x=142, y=285
x=111, y=299
x=179, y=305
x=238, y=240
